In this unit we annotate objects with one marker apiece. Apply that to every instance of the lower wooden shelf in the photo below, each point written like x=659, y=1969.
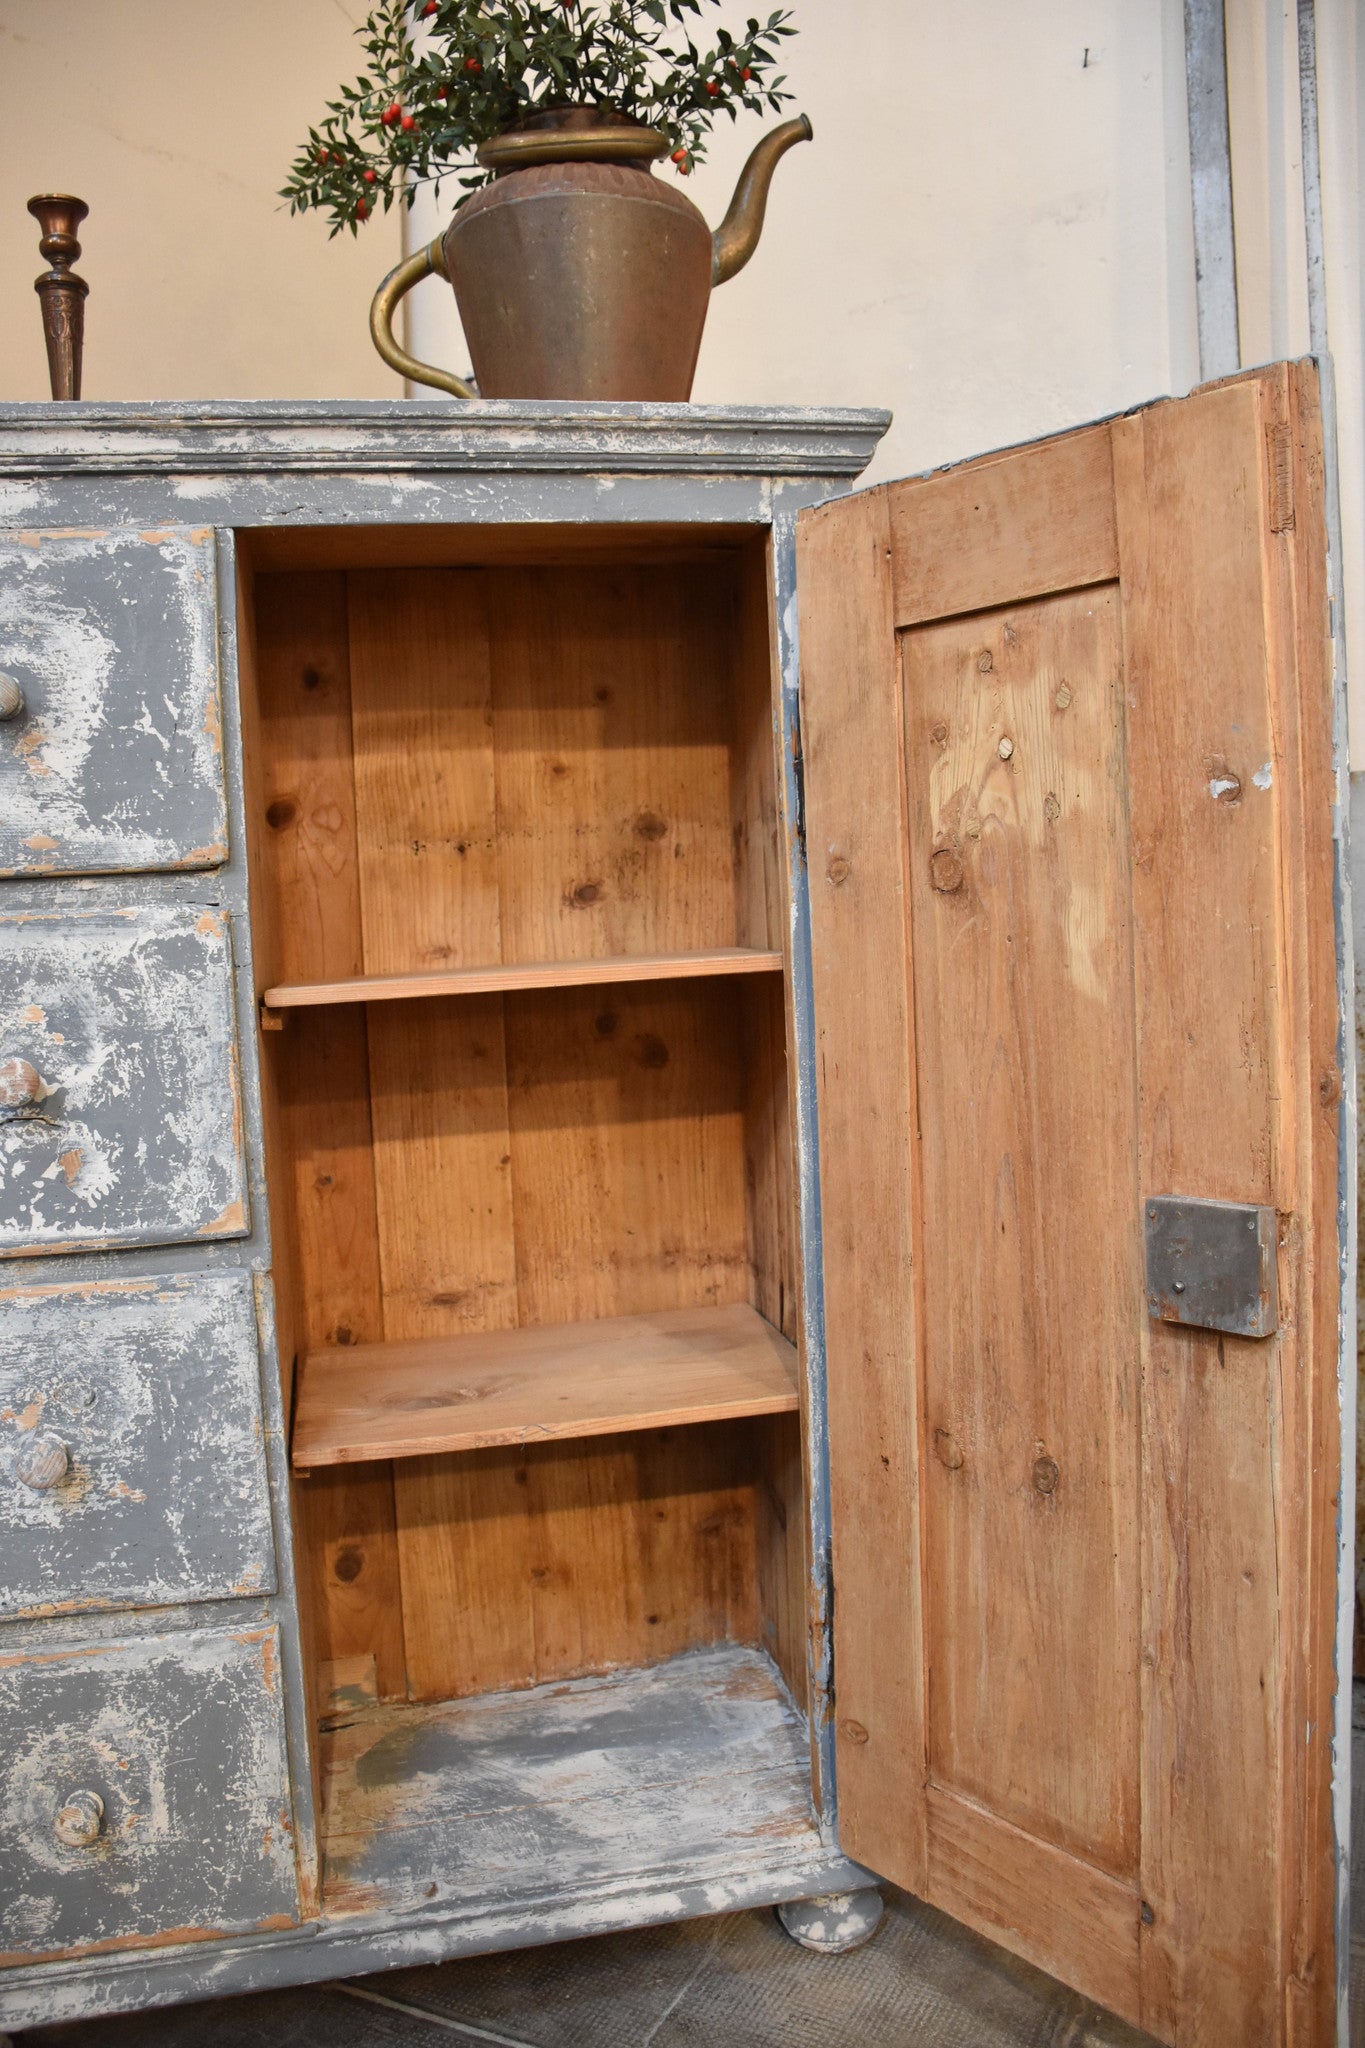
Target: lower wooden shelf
x=433, y=1394
x=638, y=1795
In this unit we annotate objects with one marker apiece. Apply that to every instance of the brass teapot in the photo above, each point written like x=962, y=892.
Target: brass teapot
x=577, y=273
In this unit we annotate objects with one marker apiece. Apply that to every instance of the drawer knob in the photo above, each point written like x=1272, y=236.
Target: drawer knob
x=79, y=1822
x=21, y=1085
x=42, y=1460
x=11, y=698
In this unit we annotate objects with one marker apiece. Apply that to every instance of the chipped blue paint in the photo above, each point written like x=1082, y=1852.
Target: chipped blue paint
x=246, y=466
x=116, y=760
x=153, y=1389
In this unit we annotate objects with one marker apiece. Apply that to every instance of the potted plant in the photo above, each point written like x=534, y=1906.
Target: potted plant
x=578, y=273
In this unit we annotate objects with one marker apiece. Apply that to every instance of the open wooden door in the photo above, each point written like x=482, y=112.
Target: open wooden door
x=1067, y=731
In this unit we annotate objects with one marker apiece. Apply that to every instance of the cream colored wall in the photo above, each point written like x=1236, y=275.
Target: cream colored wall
x=176, y=120
x=990, y=232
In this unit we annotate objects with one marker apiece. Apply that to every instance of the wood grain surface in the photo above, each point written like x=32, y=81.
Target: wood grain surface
x=1094, y=869
x=528, y=1386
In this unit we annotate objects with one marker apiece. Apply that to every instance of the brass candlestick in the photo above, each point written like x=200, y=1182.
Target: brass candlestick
x=62, y=293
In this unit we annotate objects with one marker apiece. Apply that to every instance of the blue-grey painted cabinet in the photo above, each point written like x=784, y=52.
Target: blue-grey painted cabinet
x=306, y=695
x=588, y=1022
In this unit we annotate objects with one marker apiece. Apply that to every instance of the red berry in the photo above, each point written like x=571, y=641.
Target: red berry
x=408, y=121
x=713, y=85
x=430, y=7
x=679, y=156
x=746, y=73
x=472, y=64
x=322, y=156
x=443, y=92
x=362, y=209
x=368, y=176
x=391, y=114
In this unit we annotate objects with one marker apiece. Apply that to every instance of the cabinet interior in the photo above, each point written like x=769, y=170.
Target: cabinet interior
x=518, y=897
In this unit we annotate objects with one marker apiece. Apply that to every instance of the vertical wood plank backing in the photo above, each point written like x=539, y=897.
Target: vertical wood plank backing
x=627, y=1120
x=758, y=867
x=509, y=728
x=612, y=729
x=442, y=1166
x=424, y=783
x=768, y=1164
x=1031, y=1276
x=307, y=822
x=1191, y=505
x=783, y=1551
x=856, y=837
x=554, y=1560
x=1007, y=527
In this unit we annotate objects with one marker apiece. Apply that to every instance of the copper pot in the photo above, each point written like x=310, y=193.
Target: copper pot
x=577, y=273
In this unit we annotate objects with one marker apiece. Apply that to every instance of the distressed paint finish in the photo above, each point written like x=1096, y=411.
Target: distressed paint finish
x=127, y=1017
x=244, y=466
x=697, y=1767
x=116, y=760
x=182, y=1738
x=153, y=1388
x=406, y=436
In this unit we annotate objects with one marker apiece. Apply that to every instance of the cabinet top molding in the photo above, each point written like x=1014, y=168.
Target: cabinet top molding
x=405, y=435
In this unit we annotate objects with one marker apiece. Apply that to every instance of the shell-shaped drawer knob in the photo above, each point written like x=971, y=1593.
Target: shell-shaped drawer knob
x=11, y=698
x=79, y=1822
x=21, y=1085
x=42, y=1460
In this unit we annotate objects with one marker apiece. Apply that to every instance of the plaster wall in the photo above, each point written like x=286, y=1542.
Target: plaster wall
x=989, y=234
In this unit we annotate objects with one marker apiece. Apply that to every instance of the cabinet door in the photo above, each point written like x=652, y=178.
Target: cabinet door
x=1067, y=733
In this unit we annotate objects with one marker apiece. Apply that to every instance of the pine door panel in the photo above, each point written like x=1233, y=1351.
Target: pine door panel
x=1066, y=722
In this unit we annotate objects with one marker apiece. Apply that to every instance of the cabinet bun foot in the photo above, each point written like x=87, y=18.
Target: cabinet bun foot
x=834, y=1924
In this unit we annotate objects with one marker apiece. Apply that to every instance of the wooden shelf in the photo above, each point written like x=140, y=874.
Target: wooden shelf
x=482, y=981
x=434, y=1394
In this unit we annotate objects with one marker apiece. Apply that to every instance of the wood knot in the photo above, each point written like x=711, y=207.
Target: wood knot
x=853, y=1731
x=649, y=825
x=1045, y=1475
x=939, y=734
x=947, y=1452
x=1063, y=696
x=1329, y=1087
x=349, y=1564
x=651, y=1051
x=583, y=895
x=945, y=869
x=281, y=812
x=985, y=662
x=839, y=869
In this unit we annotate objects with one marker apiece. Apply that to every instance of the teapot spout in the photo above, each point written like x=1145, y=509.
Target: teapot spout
x=736, y=238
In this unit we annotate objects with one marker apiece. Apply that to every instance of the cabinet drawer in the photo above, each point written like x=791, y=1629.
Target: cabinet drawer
x=144, y=1793
x=113, y=760
x=119, y=1103
x=132, y=1469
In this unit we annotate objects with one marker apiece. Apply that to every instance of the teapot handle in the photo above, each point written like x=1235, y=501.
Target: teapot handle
x=399, y=281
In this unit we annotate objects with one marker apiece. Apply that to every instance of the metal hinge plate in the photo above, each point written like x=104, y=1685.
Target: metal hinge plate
x=1211, y=1264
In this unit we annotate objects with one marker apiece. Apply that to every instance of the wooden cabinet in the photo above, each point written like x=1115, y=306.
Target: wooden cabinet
x=678, y=1506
